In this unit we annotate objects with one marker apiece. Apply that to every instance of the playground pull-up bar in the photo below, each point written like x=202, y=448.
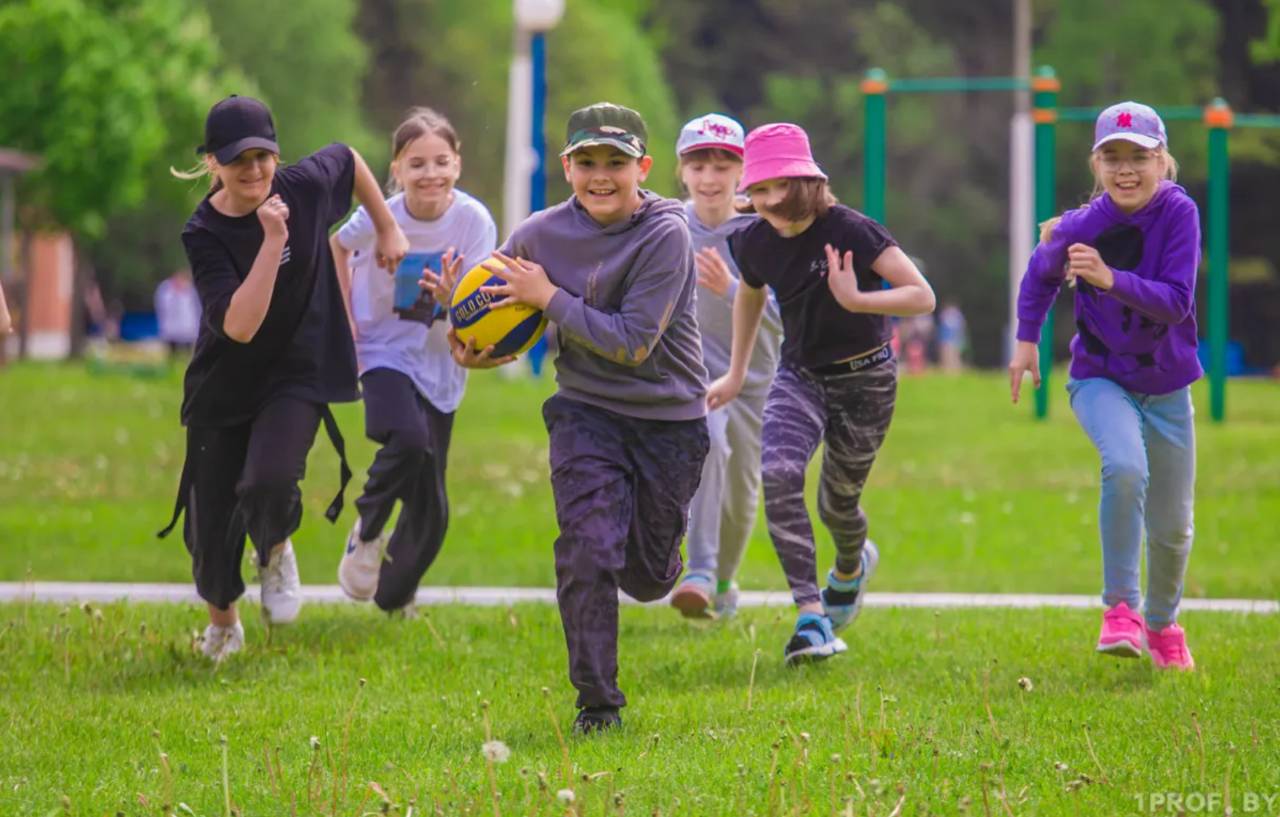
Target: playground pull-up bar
x=1218, y=118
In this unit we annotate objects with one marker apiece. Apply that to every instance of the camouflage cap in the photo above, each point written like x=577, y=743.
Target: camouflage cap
x=606, y=124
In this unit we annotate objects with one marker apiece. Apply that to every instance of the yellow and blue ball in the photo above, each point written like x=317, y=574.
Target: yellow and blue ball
x=511, y=330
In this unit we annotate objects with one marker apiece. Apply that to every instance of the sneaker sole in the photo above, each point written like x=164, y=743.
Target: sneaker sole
x=1120, y=649
x=352, y=594
x=692, y=604
x=812, y=655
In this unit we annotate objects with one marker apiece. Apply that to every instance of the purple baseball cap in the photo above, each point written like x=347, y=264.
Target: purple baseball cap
x=1132, y=122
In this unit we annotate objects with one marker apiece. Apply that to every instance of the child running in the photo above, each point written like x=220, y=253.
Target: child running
x=274, y=349
x=612, y=266
x=837, y=381
x=723, y=512
x=411, y=385
x=1132, y=254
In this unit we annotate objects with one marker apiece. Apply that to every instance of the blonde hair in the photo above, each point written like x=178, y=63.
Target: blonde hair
x=198, y=171
x=419, y=122
x=1170, y=173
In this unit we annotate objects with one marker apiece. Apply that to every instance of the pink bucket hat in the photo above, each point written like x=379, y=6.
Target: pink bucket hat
x=778, y=151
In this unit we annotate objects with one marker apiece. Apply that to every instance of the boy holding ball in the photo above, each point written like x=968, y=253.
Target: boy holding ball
x=612, y=267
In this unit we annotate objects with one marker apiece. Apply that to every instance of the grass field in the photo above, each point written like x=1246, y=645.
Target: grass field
x=107, y=711
x=969, y=493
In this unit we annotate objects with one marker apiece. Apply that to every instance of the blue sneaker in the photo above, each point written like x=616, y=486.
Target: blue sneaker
x=813, y=640
x=842, y=599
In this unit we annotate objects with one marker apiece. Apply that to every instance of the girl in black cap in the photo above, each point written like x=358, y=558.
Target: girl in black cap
x=274, y=349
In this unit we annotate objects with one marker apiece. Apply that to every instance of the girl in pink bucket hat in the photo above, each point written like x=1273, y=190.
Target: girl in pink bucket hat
x=838, y=276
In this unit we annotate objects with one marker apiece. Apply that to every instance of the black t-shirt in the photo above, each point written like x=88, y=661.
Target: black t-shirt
x=303, y=348
x=816, y=330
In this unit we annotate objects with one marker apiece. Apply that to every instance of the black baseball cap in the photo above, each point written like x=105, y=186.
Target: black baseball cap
x=606, y=124
x=237, y=124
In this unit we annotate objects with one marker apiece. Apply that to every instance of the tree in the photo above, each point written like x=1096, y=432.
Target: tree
x=92, y=87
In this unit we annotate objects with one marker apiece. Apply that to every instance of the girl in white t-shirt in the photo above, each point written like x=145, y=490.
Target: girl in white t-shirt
x=410, y=383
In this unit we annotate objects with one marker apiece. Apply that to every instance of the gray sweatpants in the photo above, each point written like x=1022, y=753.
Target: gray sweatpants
x=723, y=511
x=850, y=414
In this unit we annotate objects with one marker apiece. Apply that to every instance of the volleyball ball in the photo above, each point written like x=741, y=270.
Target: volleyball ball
x=511, y=330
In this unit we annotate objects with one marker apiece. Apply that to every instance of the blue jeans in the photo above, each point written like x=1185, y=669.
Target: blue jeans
x=1148, y=449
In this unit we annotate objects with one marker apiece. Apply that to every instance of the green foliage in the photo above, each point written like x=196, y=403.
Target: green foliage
x=580, y=72
x=308, y=62
x=1161, y=52
x=92, y=88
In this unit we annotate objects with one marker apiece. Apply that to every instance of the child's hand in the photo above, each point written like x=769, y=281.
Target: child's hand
x=843, y=281
x=722, y=390
x=274, y=215
x=392, y=248
x=527, y=283
x=468, y=357
x=441, y=286
x=713, y=272
x=1026, y=356
x=1084, y=262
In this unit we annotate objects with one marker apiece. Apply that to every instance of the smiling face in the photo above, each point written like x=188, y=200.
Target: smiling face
x=1129, y=173
x=426, y=169
x=711, y=177
x=247, y=178
x=606, y=181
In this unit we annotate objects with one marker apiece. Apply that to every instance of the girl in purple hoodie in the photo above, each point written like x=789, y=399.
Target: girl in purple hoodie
x=1131, y=253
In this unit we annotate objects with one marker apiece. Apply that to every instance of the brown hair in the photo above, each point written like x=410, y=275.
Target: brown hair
x=805, y=197
x=704, y=155
x=418, y=122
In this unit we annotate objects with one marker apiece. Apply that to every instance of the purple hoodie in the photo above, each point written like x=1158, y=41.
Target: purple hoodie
x=1142, y=332
x=629, y=340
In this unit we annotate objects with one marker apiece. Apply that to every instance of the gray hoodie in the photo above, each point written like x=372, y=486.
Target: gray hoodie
x=715, y=314
x=628, y=337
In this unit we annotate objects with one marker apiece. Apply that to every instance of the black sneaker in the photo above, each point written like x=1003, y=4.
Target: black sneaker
x=594, y=719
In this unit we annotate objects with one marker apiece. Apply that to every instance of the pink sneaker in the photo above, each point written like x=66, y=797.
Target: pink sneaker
x=1121, y=634
x=1168, y=648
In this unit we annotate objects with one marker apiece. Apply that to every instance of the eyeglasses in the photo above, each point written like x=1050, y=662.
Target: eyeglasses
x=1139, y=163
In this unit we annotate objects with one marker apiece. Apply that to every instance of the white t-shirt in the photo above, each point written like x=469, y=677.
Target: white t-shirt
x=177, y=312
x=384, y=340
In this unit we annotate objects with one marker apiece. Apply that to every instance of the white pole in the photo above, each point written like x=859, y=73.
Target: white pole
x=1021, y=184
x=515, y=189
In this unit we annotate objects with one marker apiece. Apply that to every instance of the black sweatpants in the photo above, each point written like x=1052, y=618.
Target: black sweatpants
x=409, y=467
x=243, y=480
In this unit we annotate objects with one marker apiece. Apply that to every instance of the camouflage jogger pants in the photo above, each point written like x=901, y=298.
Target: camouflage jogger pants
x=850, y=413
x=622, y=488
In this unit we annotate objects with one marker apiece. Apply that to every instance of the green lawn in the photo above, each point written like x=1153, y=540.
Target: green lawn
x=925, y=708
x=107, y=711
x=969, y=493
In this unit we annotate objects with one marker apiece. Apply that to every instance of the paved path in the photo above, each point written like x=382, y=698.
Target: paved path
x=101, y=592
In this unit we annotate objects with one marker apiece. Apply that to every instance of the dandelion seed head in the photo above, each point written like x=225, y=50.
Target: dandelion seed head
x=565, y=796
x=495, y=751
x=1025, y=683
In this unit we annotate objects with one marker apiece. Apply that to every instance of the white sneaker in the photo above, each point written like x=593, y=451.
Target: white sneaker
x=726, y=603
x=281, y=588
x=358, y=570
x=218, y=643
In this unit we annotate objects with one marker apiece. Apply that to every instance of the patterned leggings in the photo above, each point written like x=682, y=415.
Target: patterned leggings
x=851, y=414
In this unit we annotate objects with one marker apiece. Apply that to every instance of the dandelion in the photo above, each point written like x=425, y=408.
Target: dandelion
x=1026, y=684
x=495, y=751
x=565, y=796
x=315, y=743
x=1058, y=765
